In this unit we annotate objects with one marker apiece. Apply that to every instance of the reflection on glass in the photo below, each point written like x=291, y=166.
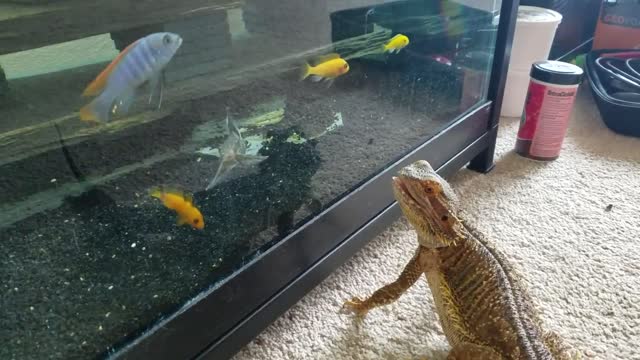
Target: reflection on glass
x=148, y=151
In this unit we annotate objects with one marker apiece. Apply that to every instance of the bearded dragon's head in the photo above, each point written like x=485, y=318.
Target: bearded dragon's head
x=429, y=203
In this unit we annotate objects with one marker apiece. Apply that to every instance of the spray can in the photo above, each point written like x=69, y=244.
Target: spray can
x=553, y=86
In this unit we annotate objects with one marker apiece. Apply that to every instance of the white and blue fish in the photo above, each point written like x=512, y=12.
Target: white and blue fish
x=115, y=87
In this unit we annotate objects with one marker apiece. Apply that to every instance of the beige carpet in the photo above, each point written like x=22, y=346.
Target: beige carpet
x=582, y=263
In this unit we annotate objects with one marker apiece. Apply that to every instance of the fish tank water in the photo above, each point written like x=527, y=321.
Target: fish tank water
x=150, y=150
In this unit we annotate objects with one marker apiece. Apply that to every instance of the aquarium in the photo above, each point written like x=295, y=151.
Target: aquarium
x=150, y=151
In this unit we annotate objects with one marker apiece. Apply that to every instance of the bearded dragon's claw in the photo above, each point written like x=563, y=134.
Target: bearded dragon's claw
x=356, y=305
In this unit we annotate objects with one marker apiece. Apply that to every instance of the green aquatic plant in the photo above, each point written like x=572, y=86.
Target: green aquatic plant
x=369, y=44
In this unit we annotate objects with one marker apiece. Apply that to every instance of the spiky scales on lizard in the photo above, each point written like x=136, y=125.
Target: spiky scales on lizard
x=483, y=307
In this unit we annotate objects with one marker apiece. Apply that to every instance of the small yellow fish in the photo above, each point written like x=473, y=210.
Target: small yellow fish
x=182, y=204
x=396, y=43
x=327, y=68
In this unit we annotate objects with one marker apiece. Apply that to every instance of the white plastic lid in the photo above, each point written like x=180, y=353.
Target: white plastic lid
x=534, y=14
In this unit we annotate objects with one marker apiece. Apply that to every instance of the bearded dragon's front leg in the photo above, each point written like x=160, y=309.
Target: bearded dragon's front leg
x=391, y=292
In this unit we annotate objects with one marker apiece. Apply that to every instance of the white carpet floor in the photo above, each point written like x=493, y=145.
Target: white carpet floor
x=581, y=263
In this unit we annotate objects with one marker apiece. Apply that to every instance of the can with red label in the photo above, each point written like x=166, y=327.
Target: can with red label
x=553, y=86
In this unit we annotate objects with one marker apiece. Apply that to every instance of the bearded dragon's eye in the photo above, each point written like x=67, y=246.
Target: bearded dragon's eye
x=196, y=221
x=444, y=218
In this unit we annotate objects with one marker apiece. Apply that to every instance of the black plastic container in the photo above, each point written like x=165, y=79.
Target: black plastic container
x=620, y=116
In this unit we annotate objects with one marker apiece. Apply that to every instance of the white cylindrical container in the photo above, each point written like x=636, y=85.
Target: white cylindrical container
x=515, y=93
x=532, y=40
x=533, y=37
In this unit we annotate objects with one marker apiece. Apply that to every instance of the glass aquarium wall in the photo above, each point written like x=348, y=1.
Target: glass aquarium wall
x=149, y=150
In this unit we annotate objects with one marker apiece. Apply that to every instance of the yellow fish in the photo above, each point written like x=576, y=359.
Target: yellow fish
x=326, y=68
x=182, y=204
x=395, y=44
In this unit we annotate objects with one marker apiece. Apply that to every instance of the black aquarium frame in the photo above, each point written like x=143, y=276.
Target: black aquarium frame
x=219, y=322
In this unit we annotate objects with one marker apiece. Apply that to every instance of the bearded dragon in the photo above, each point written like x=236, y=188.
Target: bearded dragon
x=483, y=307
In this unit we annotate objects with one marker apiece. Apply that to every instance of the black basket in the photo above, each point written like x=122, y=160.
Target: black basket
x=620, y=114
